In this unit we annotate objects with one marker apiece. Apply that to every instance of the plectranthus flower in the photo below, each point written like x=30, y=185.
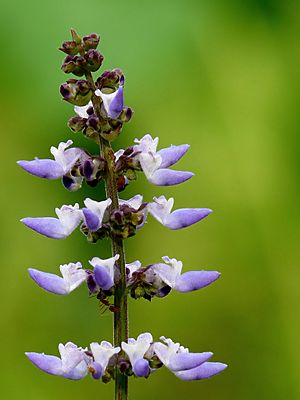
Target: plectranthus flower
x=72, y=276
x=102, y=353
x=73, y=363
x=104, y=271
x=64, y=161
x=161, y=208
x=69, y=217
x=185, y=365
x=158, y=279
x=170, y=273
x=154, y=163
x=94, y=212
x=136, y=350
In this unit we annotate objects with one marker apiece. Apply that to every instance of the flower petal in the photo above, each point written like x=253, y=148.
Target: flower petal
x=194, y=280
x=103, y=278
x=184, y=361
x=141, y=368
x=117, y=104
x=79, y=372
x=184, y=217
x=169, y=177
x=49, y=282
x=91, y=220
x=170, y=155
x=47, y=226
x=50, y=364
x=45, y=168
x=204, y=371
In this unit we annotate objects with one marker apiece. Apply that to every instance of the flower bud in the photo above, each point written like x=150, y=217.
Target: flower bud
x=91, y=41
x=126, y=114
x=69, y=47
x=77, y=92
x=93, y=59
x=110, y=79
x=77, y=124
x=71, y=64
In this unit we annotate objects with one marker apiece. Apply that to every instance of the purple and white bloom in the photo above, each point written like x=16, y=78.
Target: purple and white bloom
x=64, y=160
x=94, y=213
x=170, y=273
x=113, y=102
x=136, y=349
x=72, y=276
x=102, y=353
x=155, y=164
x=73, y=363
x=104, y=271
x=178, y=219
x=69, y=217
x=186, y=365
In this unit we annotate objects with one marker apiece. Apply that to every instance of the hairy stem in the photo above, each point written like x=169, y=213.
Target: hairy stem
x=120, y=301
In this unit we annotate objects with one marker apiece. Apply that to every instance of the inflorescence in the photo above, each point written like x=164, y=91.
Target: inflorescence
x=100, y=116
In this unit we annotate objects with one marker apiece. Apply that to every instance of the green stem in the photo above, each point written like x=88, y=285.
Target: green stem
x=120, y=300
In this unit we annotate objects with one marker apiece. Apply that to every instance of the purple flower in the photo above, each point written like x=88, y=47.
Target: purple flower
x=155, y=164
x=72, y=276
x=69, y=218
x=113, y=102
x=136, y=350
x=178, y=219
x=73, y=363
x=102, y=353
x=186, y=365
x=104, y=271
x=94, y=213
x=170, y=273
x=64, y=160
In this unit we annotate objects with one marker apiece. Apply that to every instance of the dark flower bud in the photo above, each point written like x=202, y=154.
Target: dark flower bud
x=110, y=79
x=77, y=124
x=123, y=365
x=77, y=92
x=126, y=114
x=117, y=216
x=93, y=60
x=93, y=122
x=69, y=47
x=71, y=65
x=91, y=41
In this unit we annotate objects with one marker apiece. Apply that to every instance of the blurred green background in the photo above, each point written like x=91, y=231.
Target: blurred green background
x=220, y=75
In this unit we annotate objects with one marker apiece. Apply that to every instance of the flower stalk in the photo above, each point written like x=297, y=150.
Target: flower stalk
x=120, y=324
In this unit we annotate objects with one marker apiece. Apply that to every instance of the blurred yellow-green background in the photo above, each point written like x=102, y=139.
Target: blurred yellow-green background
x=220, y=75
